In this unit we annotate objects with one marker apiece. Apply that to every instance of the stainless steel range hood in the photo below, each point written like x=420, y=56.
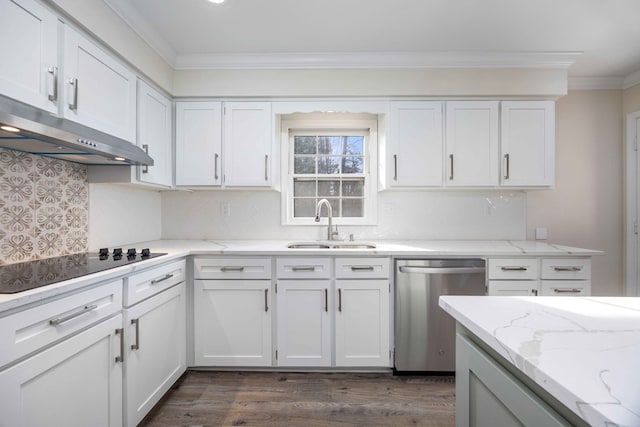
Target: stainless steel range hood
x=46, y=134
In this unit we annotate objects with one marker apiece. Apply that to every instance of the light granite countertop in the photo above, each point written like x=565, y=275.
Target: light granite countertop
x=181, y=248
x=584, y=351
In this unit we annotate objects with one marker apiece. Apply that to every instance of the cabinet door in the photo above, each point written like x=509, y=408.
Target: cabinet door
x=521, y=288
x=155, y=350
x=247, y=144
x=472, y=144
x=198, y=143
x=362, y=323
x=528, y=143
x=304, y=323
x=29, y=44
x=155, y=130
x=99, y=91
x=414, y=157
x=232, y=322
x=488, y=395
x=77, y=382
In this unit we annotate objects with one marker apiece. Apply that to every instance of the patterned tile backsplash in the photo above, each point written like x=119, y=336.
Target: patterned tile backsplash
x=44, y=207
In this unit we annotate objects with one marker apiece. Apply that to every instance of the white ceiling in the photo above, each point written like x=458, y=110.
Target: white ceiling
x=392, y=32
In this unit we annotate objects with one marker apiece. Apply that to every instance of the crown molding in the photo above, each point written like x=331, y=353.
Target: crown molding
x=436, y=59
x=139, y=24
x=632, y=80
x=595, y=83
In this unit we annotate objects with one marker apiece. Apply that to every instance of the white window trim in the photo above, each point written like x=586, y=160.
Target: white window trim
x=371, y=170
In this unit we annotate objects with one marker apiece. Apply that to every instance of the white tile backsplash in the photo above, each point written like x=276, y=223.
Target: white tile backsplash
x=401, y=215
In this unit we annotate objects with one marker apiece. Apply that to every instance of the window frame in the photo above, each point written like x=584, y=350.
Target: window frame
x=289, y=127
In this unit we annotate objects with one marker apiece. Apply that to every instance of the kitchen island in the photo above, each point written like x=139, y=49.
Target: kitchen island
x=567, y=361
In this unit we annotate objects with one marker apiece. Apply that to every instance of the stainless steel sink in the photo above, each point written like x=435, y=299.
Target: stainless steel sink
x=331, y=245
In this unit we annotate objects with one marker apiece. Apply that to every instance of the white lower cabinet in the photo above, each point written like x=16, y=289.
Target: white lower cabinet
x=232, y=322
x=362, y=323
x=77, y=382
x=304, y=323
x=155, y=355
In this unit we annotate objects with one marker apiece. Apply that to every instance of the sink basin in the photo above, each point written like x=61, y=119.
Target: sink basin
x=331, y=245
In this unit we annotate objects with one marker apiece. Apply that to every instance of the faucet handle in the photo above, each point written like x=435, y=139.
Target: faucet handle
x=335, y=233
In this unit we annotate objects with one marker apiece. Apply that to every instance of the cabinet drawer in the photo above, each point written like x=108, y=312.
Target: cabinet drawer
x=303, y=268
x=514, y=269
x=566, y=288
x=507, y=288
x=232, y=268
x=147, y=283
x=362, y=268
x=566, y=269
x=27, y=331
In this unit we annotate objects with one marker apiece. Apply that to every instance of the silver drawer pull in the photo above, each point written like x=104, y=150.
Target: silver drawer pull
x=362, y=268
x=60, y=320
x=566, y=291
x=303, y=268
x=567, y=268
x=226, y=269
x=514, y=268
x=166, y=277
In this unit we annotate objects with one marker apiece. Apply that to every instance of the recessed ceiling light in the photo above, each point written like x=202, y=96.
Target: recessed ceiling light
x=9, y=128
x=119, y=159
x=217, y=1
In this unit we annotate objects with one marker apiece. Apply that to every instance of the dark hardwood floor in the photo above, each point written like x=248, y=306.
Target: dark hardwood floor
x=305, y=399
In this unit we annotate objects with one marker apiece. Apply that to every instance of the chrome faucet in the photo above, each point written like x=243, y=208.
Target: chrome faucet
x=330, y=231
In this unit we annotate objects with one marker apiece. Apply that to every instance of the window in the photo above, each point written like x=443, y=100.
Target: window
x=329, y=159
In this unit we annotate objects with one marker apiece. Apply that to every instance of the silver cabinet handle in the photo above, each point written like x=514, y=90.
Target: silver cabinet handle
x=299, y=268
x=166, y=277
x=534, y=292
x=215, y=167
x=121, y=357
x=145, y=147
x=451, y=165
x=340, y=300
x=513, y=268
x=53, y=97
x=506, y=168
x=228, y=269
x=266, y=167
x=395, y=167
x=266, y=300
x=136, y=322
x=60, y=320
x=326, y=300
x=74, y=104
x=567, y=291
x=560, y=268
x=362, y=268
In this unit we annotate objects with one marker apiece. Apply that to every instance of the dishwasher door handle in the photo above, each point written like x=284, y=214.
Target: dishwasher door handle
x=441, y=270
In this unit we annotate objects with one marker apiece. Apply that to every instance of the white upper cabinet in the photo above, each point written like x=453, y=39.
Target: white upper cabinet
x=155, y=130
x=29, y=44
x=472, y=144
x=528, y=143
x=247, y=144
x=414, y=155
x=198, y=143
x=99, y=91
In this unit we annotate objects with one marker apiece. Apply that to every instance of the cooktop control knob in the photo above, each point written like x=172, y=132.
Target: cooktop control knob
x=131, y=253
x=103, y=254
x=146, y=253
x=117, y=253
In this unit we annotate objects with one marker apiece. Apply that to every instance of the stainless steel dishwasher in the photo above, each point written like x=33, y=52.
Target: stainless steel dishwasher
x=424, y=333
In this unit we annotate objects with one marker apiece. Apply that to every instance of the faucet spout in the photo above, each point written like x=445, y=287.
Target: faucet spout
x=329, y=216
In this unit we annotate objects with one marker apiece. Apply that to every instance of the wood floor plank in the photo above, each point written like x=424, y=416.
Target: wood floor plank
x=205, y=398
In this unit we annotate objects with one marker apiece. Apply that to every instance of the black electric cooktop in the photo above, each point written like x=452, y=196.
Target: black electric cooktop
x=34, y=274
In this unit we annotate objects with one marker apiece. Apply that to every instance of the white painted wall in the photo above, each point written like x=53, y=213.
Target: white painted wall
x=401, y=215
x=585, y=208
x=119, y=215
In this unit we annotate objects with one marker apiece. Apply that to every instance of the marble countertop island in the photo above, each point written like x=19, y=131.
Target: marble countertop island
x=583, y=351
